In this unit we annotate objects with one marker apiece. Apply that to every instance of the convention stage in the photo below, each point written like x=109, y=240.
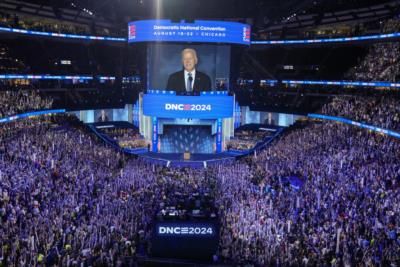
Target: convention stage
x=196, y=160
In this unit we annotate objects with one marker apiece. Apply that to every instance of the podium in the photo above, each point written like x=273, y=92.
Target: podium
x=160, y=107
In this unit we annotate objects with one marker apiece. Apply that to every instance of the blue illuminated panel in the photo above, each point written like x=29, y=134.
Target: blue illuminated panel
x=236, y=34
x=329, y=40
x=155, y=134
x=355, y=123
x=63, y=35
x=31, y=114
x=43, y=77
x=193, y=107
x=52, y=77
x=344, y=83
x=204, y=31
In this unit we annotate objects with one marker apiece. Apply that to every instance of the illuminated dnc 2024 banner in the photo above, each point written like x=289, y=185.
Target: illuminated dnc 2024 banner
x=194, y=107
x=186, y=229
x=205, y=31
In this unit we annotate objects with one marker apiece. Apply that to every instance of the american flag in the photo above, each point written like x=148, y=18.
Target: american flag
x=246, y=34
x=132, y=31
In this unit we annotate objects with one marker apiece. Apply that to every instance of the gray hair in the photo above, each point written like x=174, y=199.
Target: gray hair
x=190, y=50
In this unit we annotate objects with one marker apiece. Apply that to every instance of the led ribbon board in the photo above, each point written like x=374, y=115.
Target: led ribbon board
x=330, y=40
x=63, y=35
x=194, y=107
x=31, y=114
x=345, y=83
x=203, y=31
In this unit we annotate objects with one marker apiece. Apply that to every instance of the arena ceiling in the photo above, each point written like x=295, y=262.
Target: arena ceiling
x=262, y=11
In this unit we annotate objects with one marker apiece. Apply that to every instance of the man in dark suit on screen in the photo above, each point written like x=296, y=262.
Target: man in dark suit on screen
x=103, y=116
x=189, y=80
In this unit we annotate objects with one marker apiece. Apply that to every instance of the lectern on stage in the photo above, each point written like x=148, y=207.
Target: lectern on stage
x=160, y=110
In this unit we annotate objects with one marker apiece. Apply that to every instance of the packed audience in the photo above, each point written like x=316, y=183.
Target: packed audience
x=51, y=25
x=382, y=61
x=67, y=199
x=43, y=216
x=381, y=111
x=380, y=64
x=19, y=101
x=16, y=21
x=391, y=25
x=346, y=213
x=246, y=139
x=125, y=137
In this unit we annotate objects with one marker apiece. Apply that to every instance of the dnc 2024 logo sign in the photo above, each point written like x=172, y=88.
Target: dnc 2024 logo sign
x=178, y=230
x=188, y=107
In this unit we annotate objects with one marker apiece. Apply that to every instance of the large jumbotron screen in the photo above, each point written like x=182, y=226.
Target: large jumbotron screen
x=165, y=59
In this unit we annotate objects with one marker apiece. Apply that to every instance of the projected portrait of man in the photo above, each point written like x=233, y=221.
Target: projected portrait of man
x=189, y=80
x=103, y=116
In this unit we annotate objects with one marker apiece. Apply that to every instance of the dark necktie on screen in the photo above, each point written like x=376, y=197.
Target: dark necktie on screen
x=189, y=82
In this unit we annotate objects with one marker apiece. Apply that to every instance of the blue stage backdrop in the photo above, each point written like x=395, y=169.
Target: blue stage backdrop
x=204, y=31
x=182, y=138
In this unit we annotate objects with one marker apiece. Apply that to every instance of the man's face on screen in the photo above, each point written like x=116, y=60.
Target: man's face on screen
x=189, y=61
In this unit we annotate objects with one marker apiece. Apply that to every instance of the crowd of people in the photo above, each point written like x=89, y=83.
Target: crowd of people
x=66, y=199
x=382, y=61
x=19, y=101
x=391, y=25
x=15, y=21
x=125, y=137
x=50, y=178
x=51, y=25
x=246, y=139
x=345, y=214
x=381, y=111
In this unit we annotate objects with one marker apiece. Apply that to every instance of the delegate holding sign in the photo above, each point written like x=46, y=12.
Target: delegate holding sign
x=194, y=107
